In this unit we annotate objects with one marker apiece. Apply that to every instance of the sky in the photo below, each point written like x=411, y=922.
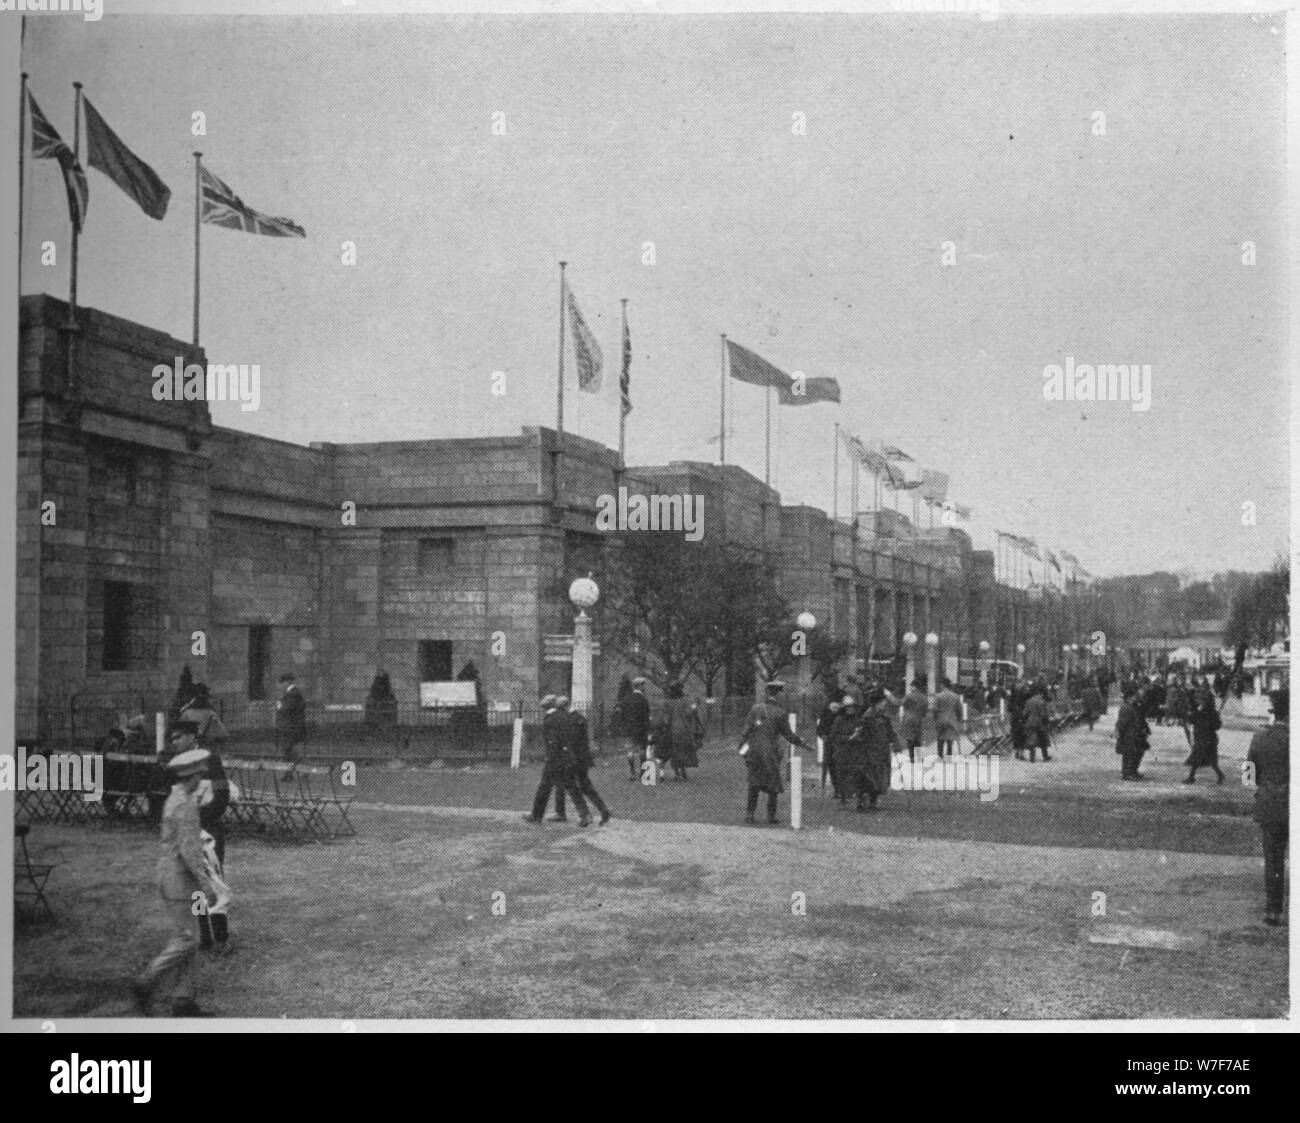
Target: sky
x=821, y=250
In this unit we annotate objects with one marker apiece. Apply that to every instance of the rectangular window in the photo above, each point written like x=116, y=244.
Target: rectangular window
x=259, y=662
x=437, y=555
x=435, y=660
x=117, y=476
x=118, y=618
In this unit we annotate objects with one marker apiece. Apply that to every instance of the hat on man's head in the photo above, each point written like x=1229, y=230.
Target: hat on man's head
x=180, y=727
x=547, y=702
x=135, y=724
x=561, y=701
x=775, y=685
x=189, y=763
x=639, y=681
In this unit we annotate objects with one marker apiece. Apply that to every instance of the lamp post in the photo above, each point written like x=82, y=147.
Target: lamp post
x=909, y=644
x=1020, y=650
x=931, y=661
x=984, y=663
x=583, y=593
x=806, y=622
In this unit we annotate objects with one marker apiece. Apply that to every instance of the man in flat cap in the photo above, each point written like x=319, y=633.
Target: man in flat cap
x=636, y=727
x=183, y=885
x=761, y=746
x=290, y=719
x=578, y=741
x=558, y=771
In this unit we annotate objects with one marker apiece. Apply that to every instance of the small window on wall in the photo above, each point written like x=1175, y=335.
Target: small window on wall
x=435, y=660
x=117, y=477
x=259, y=662
x=437, y=555
x=129, y=636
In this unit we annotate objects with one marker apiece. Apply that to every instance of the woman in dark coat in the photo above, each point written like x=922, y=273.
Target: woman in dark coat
x=1092, y=706
x=848, y=751
x=677, y=738
x=881, y=739
x=1205, y=736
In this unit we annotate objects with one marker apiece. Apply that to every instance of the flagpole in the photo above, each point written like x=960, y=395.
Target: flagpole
x=835, y=478
x=622, y=413
x=76, y=156
x=198, y=208
x=22, y=166
x=559, y=383
x=559, y=402
x=722, y=408
x=767, y=450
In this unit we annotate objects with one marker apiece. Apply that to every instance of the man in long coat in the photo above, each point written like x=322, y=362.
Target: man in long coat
x=578, y=739
x=1131, y=734
x=947, y=718
x=916, y=704
x=636, y=726
x=846, y=746
x=182, y=877
x=1038, y=732
x=1270, y=754
x=761, y=745
x=558, y=771
x=1205, y=736
x=290, y=719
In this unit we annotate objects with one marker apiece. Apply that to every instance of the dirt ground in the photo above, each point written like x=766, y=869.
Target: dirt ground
x=448, y=905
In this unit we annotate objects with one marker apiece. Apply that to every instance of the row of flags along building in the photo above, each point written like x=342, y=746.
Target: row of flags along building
x=215, y=203
x=218, y=205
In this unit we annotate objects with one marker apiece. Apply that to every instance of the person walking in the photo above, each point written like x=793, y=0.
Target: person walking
x=1132, y=733
x=290, y=719
x=1205, y=736
x=1037, y=721
x=916, y=705
x=761, y=748
x=678, y=732
x=636, y=727
x=879, y=740
x=182, y=876
x=212, y=797
x=1019, y=695
x=1092, y=706
x=947, y=718
x=558, y=770
x=577, y=739
x=847, y=747
x=825, y=728
x=1269, y=754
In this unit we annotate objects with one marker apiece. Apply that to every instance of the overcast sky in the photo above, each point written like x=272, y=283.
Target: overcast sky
x=820, y=251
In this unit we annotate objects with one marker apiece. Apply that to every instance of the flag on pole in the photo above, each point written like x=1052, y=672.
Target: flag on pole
x=586, y=351
x=890, y=452
x=1030, y=547
x=744, y=366
x=935, y=489
x=876, y=464
x=48, y=145
x=806, y=391
x=105, y=152
x=1051, y=560
x=909, y=485
x=222, y=207
x=625, y=378
x=961, y=511
x=855, y=447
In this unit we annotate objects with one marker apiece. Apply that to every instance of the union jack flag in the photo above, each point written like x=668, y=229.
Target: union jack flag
x=222, y=207
x=48, y=145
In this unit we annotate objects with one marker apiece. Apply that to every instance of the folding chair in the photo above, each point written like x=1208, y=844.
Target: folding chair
x=30, y=877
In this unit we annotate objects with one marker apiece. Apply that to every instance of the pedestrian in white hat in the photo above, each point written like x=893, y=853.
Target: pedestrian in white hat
x=182, y=881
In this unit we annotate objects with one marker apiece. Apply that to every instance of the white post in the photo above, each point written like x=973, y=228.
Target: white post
x=796, y=791
x=517, y=744
x=160, y=732
x=794, y=720
x=821, y=762
x=582, y=672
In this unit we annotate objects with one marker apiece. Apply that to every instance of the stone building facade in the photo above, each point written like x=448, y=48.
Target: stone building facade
x=149, y=538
